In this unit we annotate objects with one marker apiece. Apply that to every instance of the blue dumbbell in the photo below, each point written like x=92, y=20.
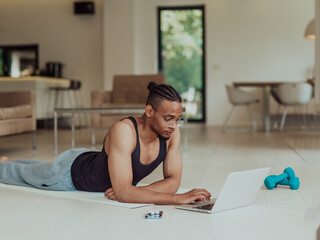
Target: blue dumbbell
x=286, y=178
x=293, y=183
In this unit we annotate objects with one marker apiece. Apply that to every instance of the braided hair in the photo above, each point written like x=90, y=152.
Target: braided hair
x=158, y=93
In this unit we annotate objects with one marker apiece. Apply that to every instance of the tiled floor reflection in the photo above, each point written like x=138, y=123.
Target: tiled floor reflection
x=210, y=157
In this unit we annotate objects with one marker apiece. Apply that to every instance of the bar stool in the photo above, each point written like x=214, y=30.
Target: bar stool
x=72, y=92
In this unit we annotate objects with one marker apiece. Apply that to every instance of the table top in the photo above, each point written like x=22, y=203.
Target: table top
x=257, y=84
x=110, y=110
x=36, y=78
x=265, y=83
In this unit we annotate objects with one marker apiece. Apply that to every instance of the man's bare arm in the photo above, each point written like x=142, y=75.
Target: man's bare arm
x=172, y=168
x=120, y=169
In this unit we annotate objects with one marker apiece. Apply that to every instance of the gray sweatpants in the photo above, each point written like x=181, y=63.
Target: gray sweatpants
x=54, y=175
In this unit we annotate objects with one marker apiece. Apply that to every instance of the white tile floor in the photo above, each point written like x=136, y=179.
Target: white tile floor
x=277, y=214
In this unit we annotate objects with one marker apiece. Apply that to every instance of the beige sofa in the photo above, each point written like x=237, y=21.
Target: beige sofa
x=128, y=91
x=17, y=113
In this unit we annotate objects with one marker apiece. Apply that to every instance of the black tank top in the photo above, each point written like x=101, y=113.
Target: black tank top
x=89, y=171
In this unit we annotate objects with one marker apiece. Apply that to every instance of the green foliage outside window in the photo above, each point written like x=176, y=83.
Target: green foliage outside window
x=182, y=50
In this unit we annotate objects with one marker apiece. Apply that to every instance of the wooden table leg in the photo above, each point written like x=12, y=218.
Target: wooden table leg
x=266, y=108
x=55, y=125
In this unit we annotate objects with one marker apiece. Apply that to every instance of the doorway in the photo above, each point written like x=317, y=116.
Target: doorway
x=182, y=55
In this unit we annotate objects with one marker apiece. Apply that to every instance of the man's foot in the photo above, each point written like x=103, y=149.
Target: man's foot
x=4, y=159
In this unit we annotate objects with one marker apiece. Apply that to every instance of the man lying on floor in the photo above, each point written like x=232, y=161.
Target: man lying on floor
x=132, y=149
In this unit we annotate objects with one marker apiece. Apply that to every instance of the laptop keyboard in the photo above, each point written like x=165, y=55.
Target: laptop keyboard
x=205, y=207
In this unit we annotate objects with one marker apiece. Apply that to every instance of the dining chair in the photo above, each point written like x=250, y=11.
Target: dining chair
x=293, y=95
x=239, y=97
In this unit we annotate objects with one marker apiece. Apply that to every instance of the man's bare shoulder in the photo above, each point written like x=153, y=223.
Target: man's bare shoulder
x=121, y=135
x=124, y=126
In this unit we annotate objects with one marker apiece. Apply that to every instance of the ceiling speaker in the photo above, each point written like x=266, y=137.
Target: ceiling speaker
x=84, y=7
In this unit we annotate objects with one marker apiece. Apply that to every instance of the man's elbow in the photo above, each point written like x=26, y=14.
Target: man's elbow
x=123, y=195
x=120, y=197
x=176, y=188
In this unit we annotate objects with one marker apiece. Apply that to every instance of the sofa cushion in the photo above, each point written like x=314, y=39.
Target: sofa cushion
x=20, y=111
x=133, y=88
x=14, y=126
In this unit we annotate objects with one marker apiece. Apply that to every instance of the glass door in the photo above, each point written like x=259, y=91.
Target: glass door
x=182, y=55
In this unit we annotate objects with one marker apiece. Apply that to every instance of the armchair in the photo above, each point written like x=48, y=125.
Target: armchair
x=17, y=113
x=128, y=91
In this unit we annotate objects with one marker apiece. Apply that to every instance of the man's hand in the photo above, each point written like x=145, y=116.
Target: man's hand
x=184, y=198
x=110, y=194
x=192, y=196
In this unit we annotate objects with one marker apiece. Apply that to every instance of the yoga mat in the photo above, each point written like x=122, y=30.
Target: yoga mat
x=77, y=195
x=83, y=196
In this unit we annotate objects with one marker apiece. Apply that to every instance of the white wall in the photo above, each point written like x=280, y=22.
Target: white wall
x=317, y=53
x=118, y=37
x=74, y=40
x=246, y=40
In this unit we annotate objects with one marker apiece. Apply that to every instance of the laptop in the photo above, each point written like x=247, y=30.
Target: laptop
x=239, y=190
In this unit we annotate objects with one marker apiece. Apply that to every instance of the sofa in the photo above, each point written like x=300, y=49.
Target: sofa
x=128, y=91
x=17, y=113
